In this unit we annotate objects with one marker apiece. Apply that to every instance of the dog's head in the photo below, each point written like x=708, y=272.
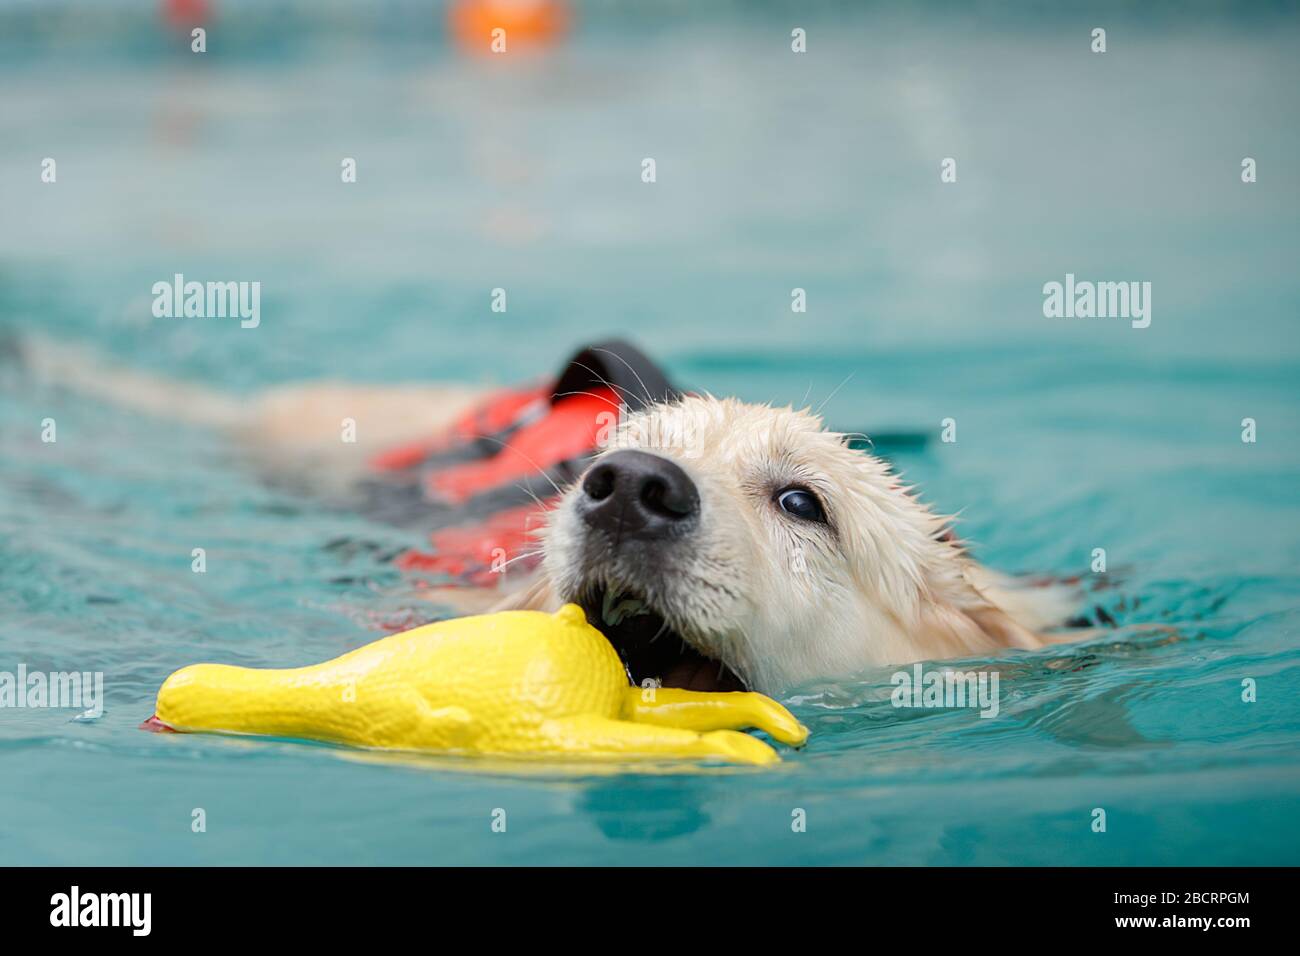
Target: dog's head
x=718, y=543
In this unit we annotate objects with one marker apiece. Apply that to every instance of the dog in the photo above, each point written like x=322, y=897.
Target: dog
x=718, y=544
x=724, y=544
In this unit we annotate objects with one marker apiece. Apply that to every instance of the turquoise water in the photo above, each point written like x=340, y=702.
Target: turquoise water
x=774, y=171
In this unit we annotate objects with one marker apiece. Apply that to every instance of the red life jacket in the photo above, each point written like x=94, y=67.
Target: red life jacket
x=482, y=487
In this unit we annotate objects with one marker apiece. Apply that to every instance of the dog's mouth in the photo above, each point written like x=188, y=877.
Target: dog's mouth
x=650, y=648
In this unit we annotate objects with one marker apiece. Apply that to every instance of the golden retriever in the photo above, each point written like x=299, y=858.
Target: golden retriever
x=720, y=543
x=717, y=543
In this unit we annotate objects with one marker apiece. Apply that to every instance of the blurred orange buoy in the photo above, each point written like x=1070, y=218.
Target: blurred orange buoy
x=500, y=26
x=184, y=14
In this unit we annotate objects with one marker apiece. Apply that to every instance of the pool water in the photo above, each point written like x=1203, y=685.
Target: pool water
x=774, y=171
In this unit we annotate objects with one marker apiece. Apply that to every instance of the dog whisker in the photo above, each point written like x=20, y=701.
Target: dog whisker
x=618, y=390
x=833, y=393
x=649, y=399
x=663, y=629
x=617, y=406
x=540, y=470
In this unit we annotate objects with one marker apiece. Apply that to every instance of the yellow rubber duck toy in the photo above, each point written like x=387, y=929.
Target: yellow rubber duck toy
x=514, y=683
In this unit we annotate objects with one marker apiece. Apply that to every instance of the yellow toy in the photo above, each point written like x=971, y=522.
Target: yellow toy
x=514, y=683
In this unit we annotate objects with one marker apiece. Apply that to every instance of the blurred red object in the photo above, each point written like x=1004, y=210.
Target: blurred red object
x=574, y=427
x=474, y=554
x=186, y=14
x=527, y=23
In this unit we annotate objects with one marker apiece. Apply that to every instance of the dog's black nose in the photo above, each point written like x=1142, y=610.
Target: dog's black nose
x=636, y=494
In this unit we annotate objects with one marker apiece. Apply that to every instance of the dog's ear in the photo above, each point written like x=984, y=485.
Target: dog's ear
x=1001, y=628
x=967, y=628
x=1020, y=606
x=970, y=613
x=538, y=595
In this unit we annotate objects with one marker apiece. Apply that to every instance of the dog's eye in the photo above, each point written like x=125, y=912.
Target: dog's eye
x=801, y=503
